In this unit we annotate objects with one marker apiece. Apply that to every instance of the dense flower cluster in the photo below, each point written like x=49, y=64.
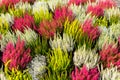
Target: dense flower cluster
x=20, y=23
x=109, y=55
x=92, y=32
x=85, y=74
x=12, y=55
x=47, y=39
x=95, y=10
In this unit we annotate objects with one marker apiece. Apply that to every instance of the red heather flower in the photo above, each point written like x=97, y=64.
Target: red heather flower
x=92, y=32
x=62, y=13
x=48, y=28
x=105, y=4
x=17, y=55
x=110, y=55
x=95, y=10
x=85, y=74
x=78, y=2
x=20, y=23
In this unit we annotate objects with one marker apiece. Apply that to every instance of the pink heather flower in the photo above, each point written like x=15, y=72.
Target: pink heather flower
x=85, y=74
x=17, y=55
x=20, y=23
x=92, y=32
x=48, y=28
x=95, y=10
x=110, y=55
x=62, y=13
x=78, y=2
x=11, y=3
x=105, y=4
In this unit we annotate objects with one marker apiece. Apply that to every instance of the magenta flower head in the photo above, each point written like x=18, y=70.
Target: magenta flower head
x=21, y=23
x=95, y=10
x=85, y=74
x=110, y=55
x=106, y=4
x=17, y=55
x=63, y=13
x=92, y=32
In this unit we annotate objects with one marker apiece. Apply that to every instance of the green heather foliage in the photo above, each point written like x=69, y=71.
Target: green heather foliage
x=20, y=9
x=5, y=22
x=59, y=60
x=16, y=74
x=38, y=46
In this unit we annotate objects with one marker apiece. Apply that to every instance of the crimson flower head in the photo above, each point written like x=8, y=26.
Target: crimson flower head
x=106, y=4
x=17, y=56
x=110, y=55
x=95, y=10
x=85, y=74
x=47, y=28
x=20, y=23
x=78, y=2
x=63, y=13
x=92, y=32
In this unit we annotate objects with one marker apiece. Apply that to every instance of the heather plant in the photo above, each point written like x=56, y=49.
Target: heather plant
x=5, y=22
x=20, y=9
x=48, y=28
x=85, y=74
x=55, y=3
x=113, y=18
x=9, y=36
x=23, y=22
x=58, y=64
x=12, y=55
x=38, y=46
x=28, y=36
x=37, y=67
x=79, y=12
x=41, y=12
x=114, y=30
x=17, y=74
x=65, y=43
x=109, y=55
x=59, y=60
x=105, y=37
x=111, y=73
x=82, y=56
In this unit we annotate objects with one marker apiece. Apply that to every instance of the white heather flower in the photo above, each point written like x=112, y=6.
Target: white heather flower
x=54, y=3
x=85, y=57
x=65, y=43
x=115, y=30
x=80, y=12
x=38, y=5
x=9, y=36
x=2, y=75
x=37, y=66
x=28, y=36
x=114, y=11
x=105, y=38
x=23, y=6
x=110, y=74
